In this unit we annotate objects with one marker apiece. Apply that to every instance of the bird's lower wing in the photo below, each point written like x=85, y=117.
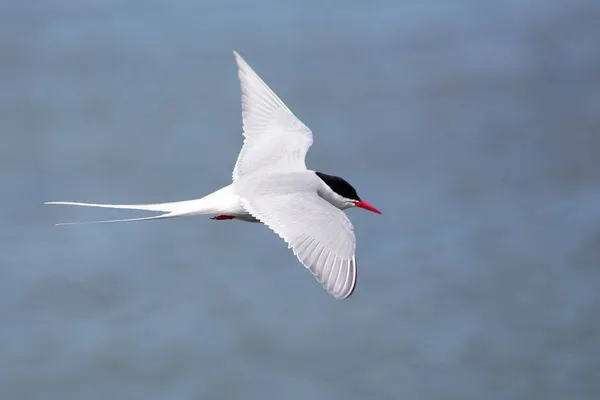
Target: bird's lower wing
x=320, y=235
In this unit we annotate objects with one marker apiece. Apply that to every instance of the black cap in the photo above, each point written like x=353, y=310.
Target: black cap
x=339, y=185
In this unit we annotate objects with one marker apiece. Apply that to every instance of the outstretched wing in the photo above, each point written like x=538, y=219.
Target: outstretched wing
x=320, y=234
x=275, y=140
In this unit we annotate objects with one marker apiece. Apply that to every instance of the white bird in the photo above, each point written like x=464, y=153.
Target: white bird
x=272, y=185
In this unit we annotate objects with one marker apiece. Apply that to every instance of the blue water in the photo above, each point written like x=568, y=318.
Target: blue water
x=473, y=126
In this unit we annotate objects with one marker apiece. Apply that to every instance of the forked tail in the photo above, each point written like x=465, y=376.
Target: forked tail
x=169, y=210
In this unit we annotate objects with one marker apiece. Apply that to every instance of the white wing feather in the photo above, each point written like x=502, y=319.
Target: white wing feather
x=275, y=140
x=320, y=234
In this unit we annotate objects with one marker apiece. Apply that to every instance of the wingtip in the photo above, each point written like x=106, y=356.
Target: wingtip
x=344, y=296
x=349, y=289
x=241, y=62
x=237, y=56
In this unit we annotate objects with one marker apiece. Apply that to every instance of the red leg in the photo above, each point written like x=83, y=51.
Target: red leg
x=222, y=217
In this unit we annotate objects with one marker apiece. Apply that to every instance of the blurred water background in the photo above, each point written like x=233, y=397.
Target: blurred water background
x=474, y=126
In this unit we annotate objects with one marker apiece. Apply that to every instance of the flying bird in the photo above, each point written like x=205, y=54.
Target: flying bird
x=272, y=185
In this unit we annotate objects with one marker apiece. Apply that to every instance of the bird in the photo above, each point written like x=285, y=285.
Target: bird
x=272, y=185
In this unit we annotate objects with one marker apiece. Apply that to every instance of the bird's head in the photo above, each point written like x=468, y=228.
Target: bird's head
x=349, y=197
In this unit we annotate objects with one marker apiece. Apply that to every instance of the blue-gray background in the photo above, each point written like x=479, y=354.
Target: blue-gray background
x=474, y=126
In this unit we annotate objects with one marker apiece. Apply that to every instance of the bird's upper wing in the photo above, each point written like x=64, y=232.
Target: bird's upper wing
x=320, y=234
x=275, y=140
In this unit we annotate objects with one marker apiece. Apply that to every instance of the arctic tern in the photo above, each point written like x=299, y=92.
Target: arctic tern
x=272, y=185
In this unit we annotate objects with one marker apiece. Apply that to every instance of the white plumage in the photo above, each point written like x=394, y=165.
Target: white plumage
x=272, y=185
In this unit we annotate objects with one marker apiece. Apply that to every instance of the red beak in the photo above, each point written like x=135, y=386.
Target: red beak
x=366, y=206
